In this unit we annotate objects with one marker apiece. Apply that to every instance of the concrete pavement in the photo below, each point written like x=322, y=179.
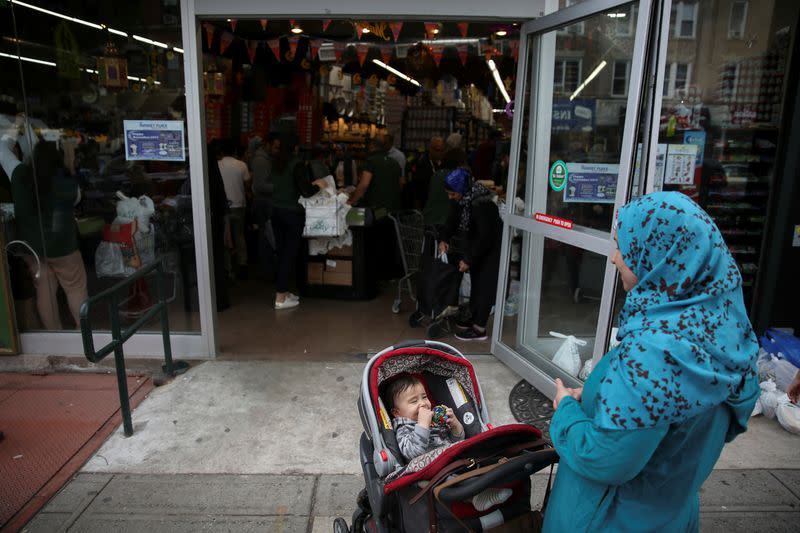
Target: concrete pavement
x=272, y=446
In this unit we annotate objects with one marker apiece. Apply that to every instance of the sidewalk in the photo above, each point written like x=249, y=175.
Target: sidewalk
x=272, y=446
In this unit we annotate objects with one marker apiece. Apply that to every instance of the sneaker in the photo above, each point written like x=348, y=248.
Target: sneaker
x=471, y=334
x=463, y=325
x=293, y=296
x=286, y=304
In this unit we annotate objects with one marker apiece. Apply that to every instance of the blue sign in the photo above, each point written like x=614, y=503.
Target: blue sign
x=697, y=138
x=591, y=183
x=573, y=114
x=154, y=140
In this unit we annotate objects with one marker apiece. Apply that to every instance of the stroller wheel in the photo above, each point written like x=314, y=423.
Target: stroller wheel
x=340, y=526
x=435, y=330
x=396, y=307
x=415, y=319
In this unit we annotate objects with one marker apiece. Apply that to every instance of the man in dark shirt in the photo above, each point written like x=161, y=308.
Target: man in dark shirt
x=425, y=167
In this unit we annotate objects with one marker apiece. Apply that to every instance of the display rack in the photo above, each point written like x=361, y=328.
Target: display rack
x=422, y=123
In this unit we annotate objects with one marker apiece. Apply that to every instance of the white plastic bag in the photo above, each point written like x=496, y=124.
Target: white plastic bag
x=586, y=370
x=466, y=287
x=775, y=368
x=789, y=416
x=568, y=356
x=770, y=398
x=108, y=260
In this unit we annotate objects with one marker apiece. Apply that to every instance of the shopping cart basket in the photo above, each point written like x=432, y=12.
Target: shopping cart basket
x=410, y=236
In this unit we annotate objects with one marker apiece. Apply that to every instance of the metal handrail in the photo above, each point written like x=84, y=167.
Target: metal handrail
x=119, y=336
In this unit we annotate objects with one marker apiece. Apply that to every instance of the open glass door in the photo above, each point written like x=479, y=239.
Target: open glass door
x=575, y=132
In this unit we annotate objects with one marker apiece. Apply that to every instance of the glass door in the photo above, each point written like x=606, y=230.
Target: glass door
x=574, y=138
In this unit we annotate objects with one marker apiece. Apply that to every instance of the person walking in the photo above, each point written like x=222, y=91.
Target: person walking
x=236, y=178
x=640, y=438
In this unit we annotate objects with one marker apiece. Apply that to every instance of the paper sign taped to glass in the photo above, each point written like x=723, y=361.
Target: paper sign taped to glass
x=591, y=183
x=154, y=140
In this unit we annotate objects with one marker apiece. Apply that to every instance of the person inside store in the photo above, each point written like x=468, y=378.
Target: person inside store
x=290, y=180
x=642, y=435
x=422, y=171
x=437, y=205
x=260, y=170
x=393, y=152
x=219, y=224
x=484, y=156
x=379, y=189
x=475, y=214
x=236, y=177
x=45, y=195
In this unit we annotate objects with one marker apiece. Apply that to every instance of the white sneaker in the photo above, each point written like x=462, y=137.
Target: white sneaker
x=292, y=296
x=286, y=304
x=489, y=498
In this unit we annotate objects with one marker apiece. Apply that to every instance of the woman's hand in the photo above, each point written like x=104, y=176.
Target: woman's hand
x=793, y=390
x=443, y=247
x=462, y=266
x=562, y=392
x=321, y=183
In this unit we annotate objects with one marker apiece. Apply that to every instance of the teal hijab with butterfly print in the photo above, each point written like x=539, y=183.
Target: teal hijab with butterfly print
x=686, y=343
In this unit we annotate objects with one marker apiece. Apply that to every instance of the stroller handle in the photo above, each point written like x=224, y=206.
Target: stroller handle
x=520, y=467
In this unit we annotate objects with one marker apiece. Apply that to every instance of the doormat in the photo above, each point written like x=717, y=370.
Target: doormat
x=52, y=424
x=529, y=406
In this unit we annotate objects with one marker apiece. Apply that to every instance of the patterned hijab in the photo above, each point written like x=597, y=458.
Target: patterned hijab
x=686, y=344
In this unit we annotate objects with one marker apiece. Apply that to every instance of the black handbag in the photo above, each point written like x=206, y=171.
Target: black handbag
x=438, y=285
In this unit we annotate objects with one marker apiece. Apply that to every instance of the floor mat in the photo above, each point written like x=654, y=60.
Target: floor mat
x=529, y=406
x=52, y=424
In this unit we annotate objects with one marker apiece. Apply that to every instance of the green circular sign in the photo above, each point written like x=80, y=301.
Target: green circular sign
x=558, y=176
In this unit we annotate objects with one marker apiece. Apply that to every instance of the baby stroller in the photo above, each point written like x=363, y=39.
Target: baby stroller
x=433, y=492
x=438, y=284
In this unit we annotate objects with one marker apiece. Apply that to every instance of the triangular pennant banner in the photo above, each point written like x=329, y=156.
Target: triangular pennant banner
x=209, y=35
x=361, y=51
x=515, y=49
x=264, y=24
x=396, y=27
x=293, y=46
x=275, y=46
x=338, y=49
x=325, y=24
x=252, y=46
x=225, y=41
x=429, y=27
x=386, y=52
x=315, y=45
x=462, y=27
x=233, y=24
x=359, y=30
x=436, y=52
x=488, y=51
x=463, y=53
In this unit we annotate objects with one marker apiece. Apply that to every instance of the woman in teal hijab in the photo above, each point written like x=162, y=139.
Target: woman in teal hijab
x=641, y=437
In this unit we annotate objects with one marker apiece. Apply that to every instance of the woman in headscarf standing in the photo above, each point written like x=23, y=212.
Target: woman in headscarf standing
x=641, y=437
x=473, y=212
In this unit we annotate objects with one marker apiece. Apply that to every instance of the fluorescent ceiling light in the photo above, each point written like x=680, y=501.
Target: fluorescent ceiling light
x=617, y=15
x=592, y=76
x=297, y=29
x=117, y=32
x=396, y=72
x=29, y=59
x=150, y=41
x=59, y=15
x=454, y=41
x=179, y=50
x=364, y=30
x=435, y=31
x=497, y=80
x=501, y=33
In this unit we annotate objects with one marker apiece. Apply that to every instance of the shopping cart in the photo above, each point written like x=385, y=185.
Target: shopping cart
x=410, y=236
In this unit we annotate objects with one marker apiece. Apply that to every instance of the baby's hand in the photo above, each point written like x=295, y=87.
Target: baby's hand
x=424, y=417
x=452, y=422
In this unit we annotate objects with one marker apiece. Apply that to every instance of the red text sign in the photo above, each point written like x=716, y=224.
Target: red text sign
x=553, y=221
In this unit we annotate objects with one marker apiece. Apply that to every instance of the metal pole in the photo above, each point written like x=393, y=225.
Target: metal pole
x=119, y=360
x=169, y=370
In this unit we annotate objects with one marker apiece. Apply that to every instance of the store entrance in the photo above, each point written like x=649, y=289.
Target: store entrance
x=296, y=101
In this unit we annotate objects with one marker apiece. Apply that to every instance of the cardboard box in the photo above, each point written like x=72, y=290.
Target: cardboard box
x=341, y=251
x=315, y=273
x=338, y=272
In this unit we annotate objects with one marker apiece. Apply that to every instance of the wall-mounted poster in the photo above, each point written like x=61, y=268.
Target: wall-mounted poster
x=680, y=164
x=154, y=140
x=591, y=183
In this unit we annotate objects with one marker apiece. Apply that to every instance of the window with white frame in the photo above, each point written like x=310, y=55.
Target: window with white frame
x=620, y=73
x=572, y=29
x=623, y=21
x=737, y=20
x=677, y=79
x=567, y=75
x=683, y=19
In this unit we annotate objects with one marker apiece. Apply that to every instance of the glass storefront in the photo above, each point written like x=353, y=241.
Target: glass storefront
x=94, y=136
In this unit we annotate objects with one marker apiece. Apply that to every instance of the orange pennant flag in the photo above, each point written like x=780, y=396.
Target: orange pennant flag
x=429, y=29
x=359, y=30
x=233, y=24
x=252, y=46
x=386, y=52
x=396, y=27
x=315, y=45
x=361, y=51
x=436, y=52
x=293, y=46
x=462, y=27
x=338, y=49
x=225, y=42
x=463, y=53
x=325, y=24
x=275, y=46
x=209, y=35
x=264, y=24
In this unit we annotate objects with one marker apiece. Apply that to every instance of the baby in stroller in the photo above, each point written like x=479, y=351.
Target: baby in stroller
x=411, y=409
x=436, y=491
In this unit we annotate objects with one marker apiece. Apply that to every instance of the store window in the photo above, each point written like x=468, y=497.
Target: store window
x=720, y=128
x=738, y=17
x=619, y=78
x=98, y=90
x=567, y=76
x=683, y=20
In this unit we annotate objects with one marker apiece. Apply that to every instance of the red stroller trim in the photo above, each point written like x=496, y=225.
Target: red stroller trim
x=373, y=376
x=524, y=431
